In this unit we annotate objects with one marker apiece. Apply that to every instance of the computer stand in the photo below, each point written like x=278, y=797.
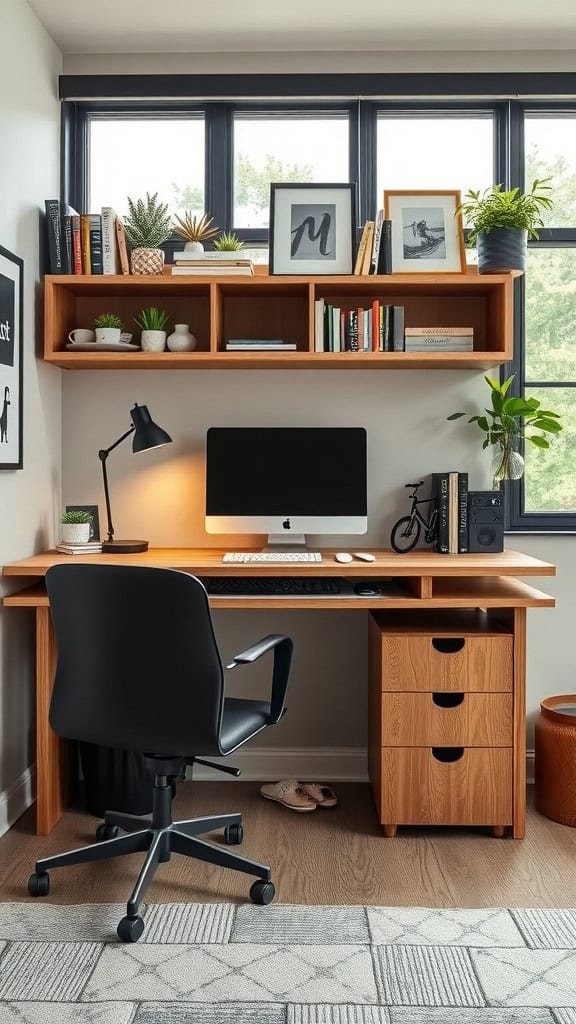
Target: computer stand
x=286, y=542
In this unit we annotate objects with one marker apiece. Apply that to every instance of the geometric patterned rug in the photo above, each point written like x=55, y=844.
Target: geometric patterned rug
x=227, y=964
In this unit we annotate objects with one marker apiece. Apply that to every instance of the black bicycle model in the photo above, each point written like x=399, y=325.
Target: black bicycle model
x=406, y=532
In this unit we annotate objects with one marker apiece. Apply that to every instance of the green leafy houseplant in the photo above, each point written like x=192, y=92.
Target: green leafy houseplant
x=497, y=208
x=507, y=423
x=152, y=319
x=228, y=242
x=108, y=320
x=75, y=517
x=148, y=225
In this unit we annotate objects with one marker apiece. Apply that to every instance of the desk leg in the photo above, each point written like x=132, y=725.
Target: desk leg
x=519, y=790
x=51, y=780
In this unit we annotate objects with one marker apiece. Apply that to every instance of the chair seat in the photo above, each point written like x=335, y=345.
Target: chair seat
x=241, y=719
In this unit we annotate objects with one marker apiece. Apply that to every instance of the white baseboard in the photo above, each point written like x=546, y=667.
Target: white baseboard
x=17, y=798
x=263, y=764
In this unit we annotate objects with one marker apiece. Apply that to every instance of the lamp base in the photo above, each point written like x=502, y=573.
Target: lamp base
x=123, y=547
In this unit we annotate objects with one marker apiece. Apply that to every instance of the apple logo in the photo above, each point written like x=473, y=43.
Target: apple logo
x=286, y=524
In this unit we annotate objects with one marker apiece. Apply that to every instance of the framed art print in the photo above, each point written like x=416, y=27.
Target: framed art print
x=426, y=232
x=11, y=291
x=312, y=228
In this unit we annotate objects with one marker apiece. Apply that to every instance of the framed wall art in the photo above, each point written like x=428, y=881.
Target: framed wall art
x=312, y=228
x=426, y=232
x=11, y=355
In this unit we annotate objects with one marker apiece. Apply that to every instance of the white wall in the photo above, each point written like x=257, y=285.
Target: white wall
x=29, y=498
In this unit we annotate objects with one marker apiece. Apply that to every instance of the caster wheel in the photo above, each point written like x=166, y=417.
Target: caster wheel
x=233, y=835
x=262, y=892
x=39, y=885
x=130, y=929
x=105, y=831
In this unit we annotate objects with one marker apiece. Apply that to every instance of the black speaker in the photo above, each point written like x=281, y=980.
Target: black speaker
x=485, y=521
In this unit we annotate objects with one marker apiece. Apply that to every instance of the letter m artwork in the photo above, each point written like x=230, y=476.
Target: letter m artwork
x=313, y=231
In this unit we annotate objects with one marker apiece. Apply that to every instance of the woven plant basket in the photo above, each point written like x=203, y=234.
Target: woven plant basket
x=147, y=261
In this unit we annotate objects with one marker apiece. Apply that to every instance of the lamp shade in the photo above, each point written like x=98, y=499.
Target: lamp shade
x=147, y=434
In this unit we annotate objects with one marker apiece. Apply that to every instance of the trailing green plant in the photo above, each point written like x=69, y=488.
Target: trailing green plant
x=195, y=229
x=509, y=421
x=228, y=242
x=152, y=319
x=148, y=224
x=76, y=517
x=108, y=320
x=497, y=208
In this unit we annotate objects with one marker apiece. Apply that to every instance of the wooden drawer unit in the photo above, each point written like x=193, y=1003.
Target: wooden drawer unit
x=433, y=663
x=446, y=786
x=447, y=719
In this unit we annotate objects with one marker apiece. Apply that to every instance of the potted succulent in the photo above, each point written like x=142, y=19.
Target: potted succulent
x=196, y=231
x=108, y=327
x=227, y=246
x=506, y=424
x=153, y=323
x=76, y=527
x=147, y=227
x=502, y=221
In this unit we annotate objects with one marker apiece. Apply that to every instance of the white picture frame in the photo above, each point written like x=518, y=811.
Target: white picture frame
x=312, y=228
x=11, y=359
x=426, y=231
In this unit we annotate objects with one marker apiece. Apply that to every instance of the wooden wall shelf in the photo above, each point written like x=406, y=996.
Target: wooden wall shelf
x=259, y=306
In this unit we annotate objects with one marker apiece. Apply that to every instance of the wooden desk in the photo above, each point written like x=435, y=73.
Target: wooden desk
x=426, y=580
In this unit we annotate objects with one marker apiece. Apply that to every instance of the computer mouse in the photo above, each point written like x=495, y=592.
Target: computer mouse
x=367, y=590
x=343, y=556
x=364, y=556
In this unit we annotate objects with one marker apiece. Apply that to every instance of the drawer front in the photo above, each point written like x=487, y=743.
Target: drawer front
x=473, y=788
x=417, y=663
x=447, y=719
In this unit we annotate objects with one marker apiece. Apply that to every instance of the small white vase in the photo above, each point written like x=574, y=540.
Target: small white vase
x=153, y=341
x=106, y=335
x=181, y=339
x=75, y=533
x=193, y=248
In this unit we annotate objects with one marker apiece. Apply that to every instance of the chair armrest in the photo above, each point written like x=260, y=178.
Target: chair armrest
x=282, y=647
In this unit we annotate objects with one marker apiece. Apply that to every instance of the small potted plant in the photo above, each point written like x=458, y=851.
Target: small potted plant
x=506, y=424
x=75, y=527
x=196, y=231
x=108, y=327
x=153, y=323
x=227, y=246
x=147, y=227
x=502, y=221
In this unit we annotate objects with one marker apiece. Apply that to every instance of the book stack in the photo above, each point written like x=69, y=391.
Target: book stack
x=86, y=243
x=374, y=250
x=439, y=339
x=259, y=345
x=92, y=547
x=379, y=328
x=451, y=493
x=207, y=264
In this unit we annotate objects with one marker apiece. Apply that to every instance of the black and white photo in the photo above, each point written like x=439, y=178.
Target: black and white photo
x=426, y=231
x=312, y=228
x=11, y=268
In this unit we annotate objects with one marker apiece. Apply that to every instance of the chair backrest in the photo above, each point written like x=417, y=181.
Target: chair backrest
x=138, y=665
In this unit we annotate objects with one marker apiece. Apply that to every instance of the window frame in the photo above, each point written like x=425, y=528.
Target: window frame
x=508, y=96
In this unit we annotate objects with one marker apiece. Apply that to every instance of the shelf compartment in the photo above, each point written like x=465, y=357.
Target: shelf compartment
x=280, y=312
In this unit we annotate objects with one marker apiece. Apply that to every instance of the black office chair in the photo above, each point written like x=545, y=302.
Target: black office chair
x=139, y=669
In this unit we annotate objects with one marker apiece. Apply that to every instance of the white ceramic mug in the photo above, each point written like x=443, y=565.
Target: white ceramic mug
x=81, y=335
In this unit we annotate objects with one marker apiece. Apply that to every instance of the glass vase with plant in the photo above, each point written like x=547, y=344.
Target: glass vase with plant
x=148, y=225
x=510, y=421
x=195, y=230
x=108, y=327
x=153, y=323
x=501, y=221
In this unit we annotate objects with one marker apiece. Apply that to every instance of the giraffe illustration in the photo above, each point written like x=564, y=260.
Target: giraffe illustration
x=4, y=417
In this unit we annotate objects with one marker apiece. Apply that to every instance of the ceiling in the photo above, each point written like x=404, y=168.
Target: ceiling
x=187, y=26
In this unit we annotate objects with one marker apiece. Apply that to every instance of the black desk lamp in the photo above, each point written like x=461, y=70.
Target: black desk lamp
x=147, y=434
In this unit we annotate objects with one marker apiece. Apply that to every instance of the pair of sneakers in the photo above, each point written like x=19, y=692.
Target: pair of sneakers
x=299, y=796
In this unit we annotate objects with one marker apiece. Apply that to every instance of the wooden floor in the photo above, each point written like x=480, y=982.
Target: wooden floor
x=330, y=857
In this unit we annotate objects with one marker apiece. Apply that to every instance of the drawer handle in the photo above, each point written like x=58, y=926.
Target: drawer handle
x=448, y=644
x=447, y=755
x=447, y=700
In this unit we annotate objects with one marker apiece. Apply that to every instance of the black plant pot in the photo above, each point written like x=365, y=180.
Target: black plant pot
x=502, y=249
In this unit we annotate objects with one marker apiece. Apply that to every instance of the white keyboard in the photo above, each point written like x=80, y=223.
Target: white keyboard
x=271, y=557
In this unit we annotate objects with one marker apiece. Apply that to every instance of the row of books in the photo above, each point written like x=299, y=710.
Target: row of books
x=85, y=243
x=379, y=328
x=451, y=494
x=374, y=254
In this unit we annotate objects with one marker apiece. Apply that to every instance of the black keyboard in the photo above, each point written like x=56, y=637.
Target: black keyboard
x=279, y=586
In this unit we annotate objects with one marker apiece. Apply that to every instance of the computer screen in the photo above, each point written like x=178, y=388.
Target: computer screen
x=313, y=476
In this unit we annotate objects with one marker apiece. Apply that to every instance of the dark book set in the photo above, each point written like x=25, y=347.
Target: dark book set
x=468, y=521
x=85, y=243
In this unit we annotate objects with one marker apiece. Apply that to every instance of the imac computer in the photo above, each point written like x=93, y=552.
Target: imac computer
x=286, y=482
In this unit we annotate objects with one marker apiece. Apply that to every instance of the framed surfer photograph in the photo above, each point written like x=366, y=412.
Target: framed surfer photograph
x=426, y=232
x=312, y=228
x=11, y=291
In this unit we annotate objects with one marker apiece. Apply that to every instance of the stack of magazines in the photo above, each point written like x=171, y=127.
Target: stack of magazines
x=259, y=345
x=92, y=547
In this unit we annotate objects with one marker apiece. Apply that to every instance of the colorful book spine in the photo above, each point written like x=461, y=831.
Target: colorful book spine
x=397, y=328
x=122, y=249
x=361, y=250
x=68, y=255
x=76, y=245
x=54, y=232
x=109, y=246
x=368, y=251
x=85, y=242
x=462, y=513
x=96, y=243
x=440, y=481
x=453, y=513
x=376, y=242
x=385, y=254
x=353, y=329
x=319, y=321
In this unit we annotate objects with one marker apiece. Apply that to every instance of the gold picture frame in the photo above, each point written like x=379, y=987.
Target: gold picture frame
x=427, y=234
